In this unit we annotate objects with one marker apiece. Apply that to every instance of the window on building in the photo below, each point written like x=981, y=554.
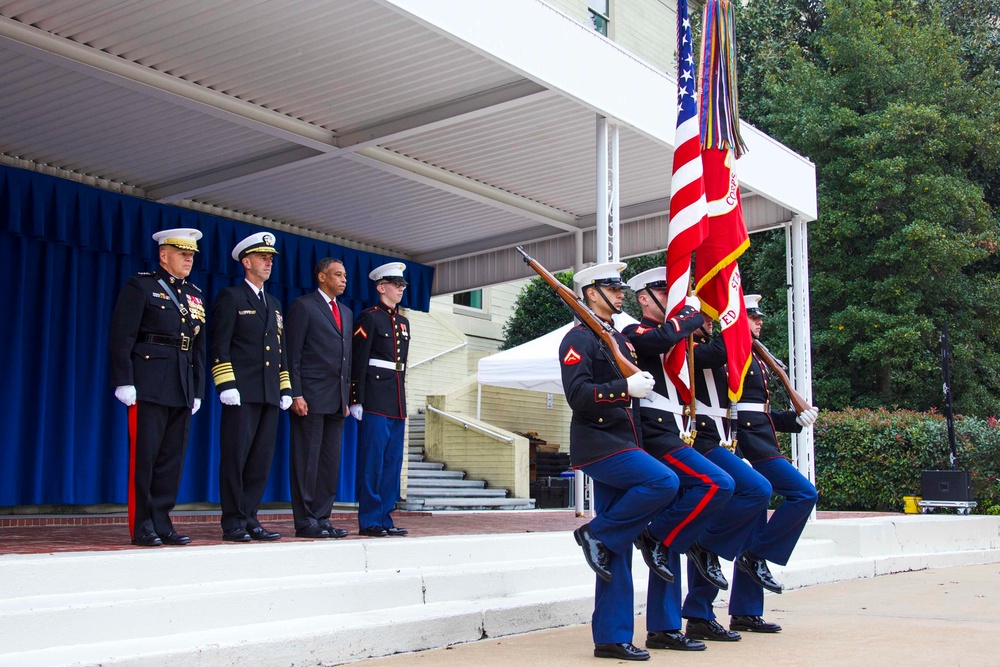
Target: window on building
x=473, y=299
x=600, y=14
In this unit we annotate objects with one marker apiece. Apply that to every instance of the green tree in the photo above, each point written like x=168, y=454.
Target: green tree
x=881, y=95
x=537, y=311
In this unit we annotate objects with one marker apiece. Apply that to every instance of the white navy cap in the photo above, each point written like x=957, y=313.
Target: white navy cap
x=259, y=242
x=752, y=303
x=655, y=278
x=602, y=275
x=391, y=272
x=182, y=237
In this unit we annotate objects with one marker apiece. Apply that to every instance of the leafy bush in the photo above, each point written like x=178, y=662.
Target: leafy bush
x=867, y=460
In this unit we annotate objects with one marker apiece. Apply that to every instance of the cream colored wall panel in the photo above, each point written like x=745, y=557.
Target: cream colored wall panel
x=648, y=28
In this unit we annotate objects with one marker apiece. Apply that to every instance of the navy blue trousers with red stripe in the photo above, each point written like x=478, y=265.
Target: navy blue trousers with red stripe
x=726, y=534
x=630, y=488
x=705, y=488
x=773, y=539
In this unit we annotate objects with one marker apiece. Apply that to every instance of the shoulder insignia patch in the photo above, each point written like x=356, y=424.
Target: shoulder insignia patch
x=360, y=331
x=572, y=357
x=642, y=329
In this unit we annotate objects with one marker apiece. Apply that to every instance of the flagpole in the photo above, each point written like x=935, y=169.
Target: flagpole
x=692, y=432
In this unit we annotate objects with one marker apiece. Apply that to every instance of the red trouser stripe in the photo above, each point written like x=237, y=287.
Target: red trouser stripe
x=713, y=487
x=132, y=424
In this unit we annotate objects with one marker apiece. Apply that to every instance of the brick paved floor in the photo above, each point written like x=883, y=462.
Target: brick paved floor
x=60, y=534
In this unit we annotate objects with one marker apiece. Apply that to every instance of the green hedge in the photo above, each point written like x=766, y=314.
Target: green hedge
x=867, y=460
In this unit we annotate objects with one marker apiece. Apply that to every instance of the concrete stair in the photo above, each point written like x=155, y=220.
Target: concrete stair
x=430, y=487
x=331, y=603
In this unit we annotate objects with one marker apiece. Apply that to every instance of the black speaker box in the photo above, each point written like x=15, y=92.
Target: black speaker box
x=951, y=485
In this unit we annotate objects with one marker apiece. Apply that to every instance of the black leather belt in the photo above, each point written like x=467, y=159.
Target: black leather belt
x=182, y=341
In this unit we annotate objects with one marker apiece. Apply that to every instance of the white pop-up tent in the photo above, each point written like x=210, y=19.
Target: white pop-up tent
x=533, y=365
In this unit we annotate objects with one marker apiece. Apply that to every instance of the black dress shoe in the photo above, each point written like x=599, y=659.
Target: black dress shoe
x=148, y=540
x=175, y=539
x=710, y=629
x=708, y=566
x=333, y=532
x=624, y=651
x=752, y=624
x=373, y=531
x=263, y=534
x=673, y=640
x=656, y=555
x=235, y=535
x=312, y=531
x=598, y=558
x=756, y=568
x=396, y=532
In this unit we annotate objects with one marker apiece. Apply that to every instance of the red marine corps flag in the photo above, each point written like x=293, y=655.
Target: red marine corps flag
x=688, y=208
x=717, y=275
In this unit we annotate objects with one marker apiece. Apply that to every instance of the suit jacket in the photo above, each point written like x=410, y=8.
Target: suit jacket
x=319, y=354
x=162, y=372
x=247, y=350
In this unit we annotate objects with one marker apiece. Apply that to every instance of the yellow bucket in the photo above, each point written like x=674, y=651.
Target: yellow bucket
x=910, y=505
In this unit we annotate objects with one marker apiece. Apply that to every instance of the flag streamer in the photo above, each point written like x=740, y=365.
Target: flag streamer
x=720, y=107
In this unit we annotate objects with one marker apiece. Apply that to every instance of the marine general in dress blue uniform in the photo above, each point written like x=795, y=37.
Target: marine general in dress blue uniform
x=704, y=487
x=250, y=369
x=157, y=356
x=630, y=485
x=771, y=539
x=378, y=401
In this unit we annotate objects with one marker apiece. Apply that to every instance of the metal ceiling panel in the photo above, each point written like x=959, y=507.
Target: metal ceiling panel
x=68, y=120
x=340, y=65
x=351, y=200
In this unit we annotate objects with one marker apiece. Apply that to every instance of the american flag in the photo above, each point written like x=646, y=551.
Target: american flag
x=688, y=223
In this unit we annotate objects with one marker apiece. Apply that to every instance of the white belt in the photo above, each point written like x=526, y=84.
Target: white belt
x=709, y=411
x=660, y=402
x=391, y=365
x=754, y=407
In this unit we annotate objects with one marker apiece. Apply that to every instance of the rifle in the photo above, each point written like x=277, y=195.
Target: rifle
x=601, y=329
x=798, y=402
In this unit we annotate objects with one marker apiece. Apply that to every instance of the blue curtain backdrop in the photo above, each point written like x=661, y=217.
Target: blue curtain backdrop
x=66, y=249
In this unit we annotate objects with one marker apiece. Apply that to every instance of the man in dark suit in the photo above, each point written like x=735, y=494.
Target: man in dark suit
x=378, y=401
x=157, y=355
x=250, y=368
x=319, y=360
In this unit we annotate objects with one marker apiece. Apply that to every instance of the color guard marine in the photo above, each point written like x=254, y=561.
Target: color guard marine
x=378, y=400
x=630, y=486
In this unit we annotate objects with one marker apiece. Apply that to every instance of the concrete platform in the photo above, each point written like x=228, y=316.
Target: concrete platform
x=334, y=601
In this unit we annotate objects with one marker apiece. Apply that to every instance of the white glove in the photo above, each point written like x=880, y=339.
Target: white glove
x=230, y=397
x=285, y=402
x=693, y=302
x=197, y=406
x=356, y=411
x=126, y=394
x=640, y=384
x=807, y=417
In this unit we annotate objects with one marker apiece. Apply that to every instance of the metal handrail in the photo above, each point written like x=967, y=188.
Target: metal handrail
x=439, y=354
x=466, y=424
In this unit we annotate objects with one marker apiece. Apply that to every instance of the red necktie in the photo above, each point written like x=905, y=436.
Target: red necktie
x=336, y=314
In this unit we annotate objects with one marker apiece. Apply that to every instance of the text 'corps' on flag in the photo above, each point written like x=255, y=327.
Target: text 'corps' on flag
x=688, y=223
x=717, y=275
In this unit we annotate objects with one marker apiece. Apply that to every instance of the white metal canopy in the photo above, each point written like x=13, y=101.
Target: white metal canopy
x=425, y=130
